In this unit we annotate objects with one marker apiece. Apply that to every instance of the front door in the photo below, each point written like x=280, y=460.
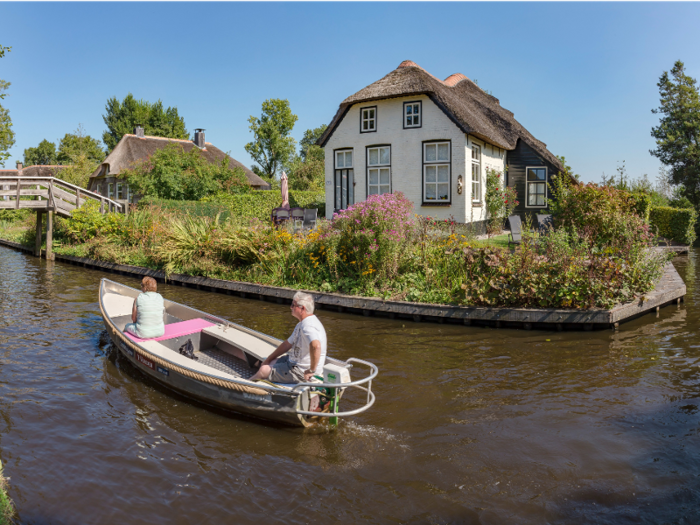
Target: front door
x=344, y=188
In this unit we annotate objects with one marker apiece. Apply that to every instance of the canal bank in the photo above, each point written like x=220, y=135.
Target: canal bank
x=669, y=290
x=471, y=426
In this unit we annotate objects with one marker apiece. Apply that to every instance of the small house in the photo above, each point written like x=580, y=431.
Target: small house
x=433, y=140
x=131, y=149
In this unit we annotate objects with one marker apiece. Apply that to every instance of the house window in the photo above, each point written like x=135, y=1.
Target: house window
x=368, y=119
x=110, y=190
x=378, y=170
x=476, y=173
x=436, y=172
x=412, y=114
x=120, y=191
x=536, y=187
x=98, y=190
x=344, y=179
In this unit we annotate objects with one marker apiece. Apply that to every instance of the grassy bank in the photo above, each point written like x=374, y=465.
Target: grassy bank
x=7, y=510
x=378, y=248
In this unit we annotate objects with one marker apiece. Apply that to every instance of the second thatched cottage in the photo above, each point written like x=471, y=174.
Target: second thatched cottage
x=108, y=180
x=433, y=140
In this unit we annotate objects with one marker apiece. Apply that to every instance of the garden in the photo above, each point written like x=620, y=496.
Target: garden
x=597, y=255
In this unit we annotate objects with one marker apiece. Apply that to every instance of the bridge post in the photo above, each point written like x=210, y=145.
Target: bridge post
x=37, y=244
x=49, y=236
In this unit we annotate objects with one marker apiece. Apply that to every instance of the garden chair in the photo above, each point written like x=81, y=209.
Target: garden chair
x=310, y=217
x=297, y=215
x=544, y=223
x=282, y=215
x=516, y=230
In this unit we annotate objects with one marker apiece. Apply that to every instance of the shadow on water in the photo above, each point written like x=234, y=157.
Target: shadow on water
x=471, y=425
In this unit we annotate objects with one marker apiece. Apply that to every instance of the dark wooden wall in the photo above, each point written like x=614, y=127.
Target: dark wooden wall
x=517, y=160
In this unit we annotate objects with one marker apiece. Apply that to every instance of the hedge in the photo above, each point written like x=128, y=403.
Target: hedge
x=642, y=205
x=246, y=205
x=674, y=223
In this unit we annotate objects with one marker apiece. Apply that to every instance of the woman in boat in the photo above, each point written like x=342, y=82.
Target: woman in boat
x=147, y=313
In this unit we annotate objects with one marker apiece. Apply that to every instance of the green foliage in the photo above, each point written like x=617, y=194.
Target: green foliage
x=678, y=133
x=642, y=203
x=11, y=216
x=568, y=170
x=7, y=135
x=307, y=145
x=7, y=510
x=175, y=174
x=272, y=146
x=306, y=171
x=78, y=144
x=674, y=224
x=500, y=202
x=43, y=155
x=122, y=117
x=259, y=204
x=203, y=208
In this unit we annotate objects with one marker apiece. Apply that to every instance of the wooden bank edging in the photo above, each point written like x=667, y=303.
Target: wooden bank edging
x=669, y=289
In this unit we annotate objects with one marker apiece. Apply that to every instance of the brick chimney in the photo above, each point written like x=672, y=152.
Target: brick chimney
x=19, y=165
x=199, y=138
x=138, y=131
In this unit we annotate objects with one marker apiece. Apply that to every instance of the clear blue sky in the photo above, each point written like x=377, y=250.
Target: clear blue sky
x=579, y=76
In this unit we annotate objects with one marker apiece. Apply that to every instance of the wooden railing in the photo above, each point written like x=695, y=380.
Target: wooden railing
x=49, y=193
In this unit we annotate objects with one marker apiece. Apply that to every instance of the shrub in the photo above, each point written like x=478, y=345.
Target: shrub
x=500, y=202
x=642, y=204
x=259, y=204
x=675, y=224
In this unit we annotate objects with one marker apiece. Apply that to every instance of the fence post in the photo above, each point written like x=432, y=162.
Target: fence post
x=49, y=236
x=37, y=241
x=77, y=198
x=19, y=188
x=102, y=205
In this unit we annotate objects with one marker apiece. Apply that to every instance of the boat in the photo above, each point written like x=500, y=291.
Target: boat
x=211, y=359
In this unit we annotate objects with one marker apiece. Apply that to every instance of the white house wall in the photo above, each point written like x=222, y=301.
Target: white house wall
x=407, y=156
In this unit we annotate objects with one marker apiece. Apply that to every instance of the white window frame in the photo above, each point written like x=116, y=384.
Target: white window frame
x=476, y=196
x=368, y=119
x=437, y=163
x=378, y=167
x=413, y=105
x=120, y=192
x=527, y=187
x=338, y=178
x=110, y=188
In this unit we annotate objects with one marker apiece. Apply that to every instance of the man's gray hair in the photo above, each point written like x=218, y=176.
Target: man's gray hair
x=305, y=300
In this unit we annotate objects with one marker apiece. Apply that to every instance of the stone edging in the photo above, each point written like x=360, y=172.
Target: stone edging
x=669, y=289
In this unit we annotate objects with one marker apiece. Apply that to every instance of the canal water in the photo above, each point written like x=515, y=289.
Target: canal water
x=471, y=425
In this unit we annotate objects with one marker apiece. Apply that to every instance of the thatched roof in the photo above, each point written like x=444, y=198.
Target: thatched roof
x=466, y=104
x=132, y=149
x=34, y=171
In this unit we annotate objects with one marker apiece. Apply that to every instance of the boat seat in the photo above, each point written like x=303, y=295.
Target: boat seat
x=117, y=305
x=174, y=330
x=249, y=344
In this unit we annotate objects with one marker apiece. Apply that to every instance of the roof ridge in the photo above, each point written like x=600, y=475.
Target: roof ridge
x=160, y=138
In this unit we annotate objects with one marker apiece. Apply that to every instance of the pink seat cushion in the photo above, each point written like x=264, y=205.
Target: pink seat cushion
x=176, y=330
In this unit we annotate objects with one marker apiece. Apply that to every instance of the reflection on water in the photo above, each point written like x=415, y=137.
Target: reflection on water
x=471, y=425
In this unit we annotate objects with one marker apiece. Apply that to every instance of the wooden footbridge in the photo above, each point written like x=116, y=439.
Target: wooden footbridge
x=48, y=195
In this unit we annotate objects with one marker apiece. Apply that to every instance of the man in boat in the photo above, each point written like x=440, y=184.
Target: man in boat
x=307, y=344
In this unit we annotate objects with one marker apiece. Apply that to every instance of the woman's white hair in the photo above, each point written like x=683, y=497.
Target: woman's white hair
x=305, y=300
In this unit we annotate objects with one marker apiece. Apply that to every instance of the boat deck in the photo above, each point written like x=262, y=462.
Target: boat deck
x=224, y=362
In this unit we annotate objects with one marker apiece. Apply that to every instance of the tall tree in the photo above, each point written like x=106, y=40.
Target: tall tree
x=306, y=170
x=272, y=146
x=678, y=133
x=7, y=136
x=81, y=155
x=44, y=154
x=78, y=143
x=122, y=117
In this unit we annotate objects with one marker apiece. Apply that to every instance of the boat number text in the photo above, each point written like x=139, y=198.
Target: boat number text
x=163, y=371
x=150, y=364
x=126, y=349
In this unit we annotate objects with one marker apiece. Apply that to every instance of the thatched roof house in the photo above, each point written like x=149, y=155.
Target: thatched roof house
x=475, y=119
x=137, y=147
x=48, y=170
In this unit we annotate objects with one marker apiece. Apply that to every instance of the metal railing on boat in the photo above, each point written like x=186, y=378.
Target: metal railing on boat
x=352, y=384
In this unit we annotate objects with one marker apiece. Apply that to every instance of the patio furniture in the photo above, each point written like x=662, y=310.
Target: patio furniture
x=310, y=217
x=516, y=230
x=279, y=215
x=544, y=223
x=297, y=215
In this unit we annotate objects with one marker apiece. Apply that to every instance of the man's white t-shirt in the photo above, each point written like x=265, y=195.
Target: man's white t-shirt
x=310, y=329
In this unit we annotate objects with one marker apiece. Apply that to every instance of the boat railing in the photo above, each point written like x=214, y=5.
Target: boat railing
x=364, y=384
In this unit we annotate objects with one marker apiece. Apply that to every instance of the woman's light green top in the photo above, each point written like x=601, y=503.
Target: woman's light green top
x=149, y=315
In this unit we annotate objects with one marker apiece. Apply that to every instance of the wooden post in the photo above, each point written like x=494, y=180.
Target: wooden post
x=49, y=236
x=102, y=205
x=19, y=188
x=37, y=245
x=77, y=198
